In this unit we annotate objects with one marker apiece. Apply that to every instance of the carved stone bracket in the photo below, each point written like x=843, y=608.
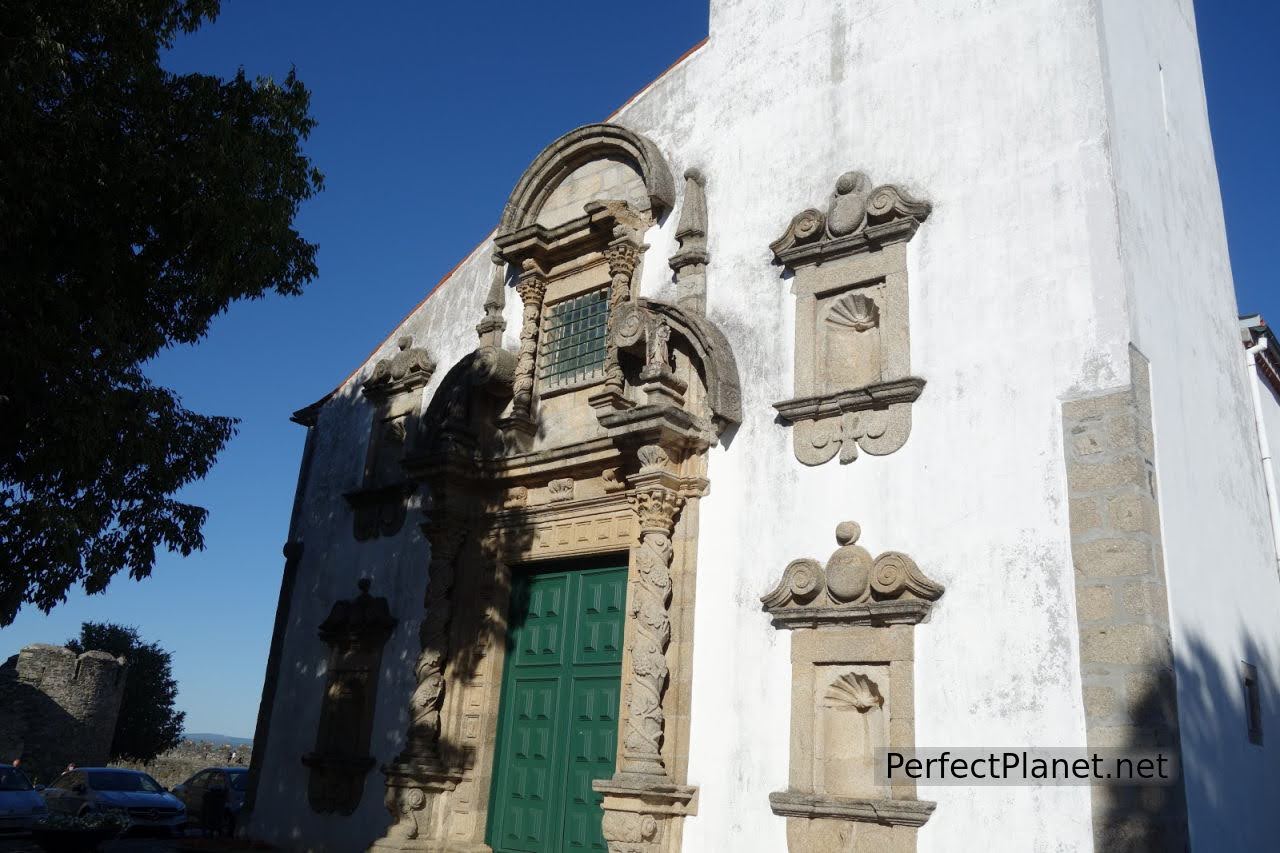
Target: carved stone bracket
x=853, y=356
x=640, y=816
x=852, y=696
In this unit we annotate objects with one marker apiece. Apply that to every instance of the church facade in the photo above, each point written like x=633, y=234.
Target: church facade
x=870, y=381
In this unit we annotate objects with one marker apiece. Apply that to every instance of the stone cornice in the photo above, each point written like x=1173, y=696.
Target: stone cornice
x=876, y=614
x=887, y=812
x=879, y=395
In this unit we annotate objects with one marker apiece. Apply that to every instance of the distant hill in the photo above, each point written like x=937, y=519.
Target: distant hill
x=216, y=738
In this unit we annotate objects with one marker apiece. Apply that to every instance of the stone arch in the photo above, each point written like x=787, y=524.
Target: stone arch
x=573, y=150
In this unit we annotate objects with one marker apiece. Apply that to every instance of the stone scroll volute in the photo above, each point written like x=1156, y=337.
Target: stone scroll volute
x=853, y=382
x=853, y=620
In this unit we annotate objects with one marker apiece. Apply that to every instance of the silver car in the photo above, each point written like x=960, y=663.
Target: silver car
x=20, y=804
x=131, y=794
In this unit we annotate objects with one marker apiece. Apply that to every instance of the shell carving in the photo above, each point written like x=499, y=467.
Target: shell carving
x=855, y=311
x=854, y=692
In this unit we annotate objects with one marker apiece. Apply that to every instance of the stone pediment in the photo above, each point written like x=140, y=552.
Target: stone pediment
x=407, y=370
x=852, y=588
x=858, y=219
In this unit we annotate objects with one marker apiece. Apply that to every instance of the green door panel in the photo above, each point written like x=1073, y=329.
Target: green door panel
x=558, y=722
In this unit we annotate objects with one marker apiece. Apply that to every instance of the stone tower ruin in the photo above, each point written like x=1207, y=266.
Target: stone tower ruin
x=57, y=707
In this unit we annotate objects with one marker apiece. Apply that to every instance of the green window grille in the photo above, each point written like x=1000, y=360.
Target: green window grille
x=572, y=346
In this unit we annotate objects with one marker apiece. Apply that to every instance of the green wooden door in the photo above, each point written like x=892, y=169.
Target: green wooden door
x=558, y=723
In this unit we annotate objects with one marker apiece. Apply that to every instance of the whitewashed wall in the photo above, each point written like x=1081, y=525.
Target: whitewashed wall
x=1021, y=287
x=1219, y=557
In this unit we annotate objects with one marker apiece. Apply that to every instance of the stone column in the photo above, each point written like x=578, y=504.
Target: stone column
x=642, y=803
x=657, y=504
x=532, y=287
x=419, y=774
x=623, y=255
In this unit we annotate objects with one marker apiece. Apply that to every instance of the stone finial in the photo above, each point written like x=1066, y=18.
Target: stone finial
x=690, y=261
x=406, y=370
x=490, y=329
x=852, y=588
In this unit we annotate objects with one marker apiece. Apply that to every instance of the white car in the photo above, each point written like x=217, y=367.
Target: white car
x=20, y=804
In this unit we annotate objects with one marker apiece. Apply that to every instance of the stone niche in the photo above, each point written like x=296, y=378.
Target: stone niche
x=852, y=696
x=853, y=382
x=356, y=632
x=379, y=505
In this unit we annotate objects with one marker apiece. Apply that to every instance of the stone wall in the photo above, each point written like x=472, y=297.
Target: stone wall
x=57, y=707
x=179, y=764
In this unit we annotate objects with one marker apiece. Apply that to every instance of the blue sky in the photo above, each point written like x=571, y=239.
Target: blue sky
x=421, y=136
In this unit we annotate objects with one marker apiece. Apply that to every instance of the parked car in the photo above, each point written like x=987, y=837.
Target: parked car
x=214, y=797
x=20, y=804
x=131, y=794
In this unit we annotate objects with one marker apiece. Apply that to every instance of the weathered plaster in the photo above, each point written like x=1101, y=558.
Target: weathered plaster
x=1009, y=119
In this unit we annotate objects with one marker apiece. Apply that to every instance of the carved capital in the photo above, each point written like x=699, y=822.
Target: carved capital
x=532, y=283
x=623, y=256
x=657, y=507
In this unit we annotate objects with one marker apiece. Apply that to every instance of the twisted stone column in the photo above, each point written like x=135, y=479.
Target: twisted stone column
x=424, y=729
x=657, y=504
x=419, y=774
x=623, y=254
x=532, y=287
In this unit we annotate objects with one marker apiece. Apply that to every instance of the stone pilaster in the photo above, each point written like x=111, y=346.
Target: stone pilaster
x=1126, y=655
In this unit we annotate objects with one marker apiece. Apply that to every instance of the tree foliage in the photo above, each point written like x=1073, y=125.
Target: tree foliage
x=135, y=205
x=148, y=723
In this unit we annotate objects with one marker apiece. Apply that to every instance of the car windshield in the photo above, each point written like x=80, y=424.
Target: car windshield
x=120, y=780
x=13, y=779
x=239, y=781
